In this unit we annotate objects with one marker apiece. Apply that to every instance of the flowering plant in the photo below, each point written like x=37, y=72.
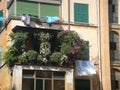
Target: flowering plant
x=72, y=45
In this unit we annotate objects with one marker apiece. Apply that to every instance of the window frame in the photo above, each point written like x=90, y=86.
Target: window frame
x=35, y=1
x=43, y=79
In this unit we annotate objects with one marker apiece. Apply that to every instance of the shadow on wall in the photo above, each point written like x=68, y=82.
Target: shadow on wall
x=13, y=88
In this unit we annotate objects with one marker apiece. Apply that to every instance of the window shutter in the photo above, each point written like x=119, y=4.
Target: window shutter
x=1, y=15
x=81, y=13
x=25, y=7
x=49, y=10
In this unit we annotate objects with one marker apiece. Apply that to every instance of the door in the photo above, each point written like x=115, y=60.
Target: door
x=82, y=84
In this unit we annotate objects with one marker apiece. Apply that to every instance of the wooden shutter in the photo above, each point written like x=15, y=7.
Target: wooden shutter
x=27, y=7
x=81, y=13
x=49, y=10
x=1, y=15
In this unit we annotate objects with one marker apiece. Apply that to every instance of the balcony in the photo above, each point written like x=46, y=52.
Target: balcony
x=31, y=46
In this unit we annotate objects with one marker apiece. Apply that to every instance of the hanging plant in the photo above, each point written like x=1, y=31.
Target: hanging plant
x=72, y=45
x=15, y=50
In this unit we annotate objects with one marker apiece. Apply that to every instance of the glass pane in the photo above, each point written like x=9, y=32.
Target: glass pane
x=59, y=75
x=28, y=74
x=48, y=85
x=39, y=84
x=43, y=74
x=59, y=85
x=28, y=84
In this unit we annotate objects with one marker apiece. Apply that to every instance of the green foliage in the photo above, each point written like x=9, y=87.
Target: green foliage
x=40, y=57
x=11, y=56
x=45, y=48
x=56, y=57
x=72, y=45
x=31, y=55
x=44, y=36
x=19, y=39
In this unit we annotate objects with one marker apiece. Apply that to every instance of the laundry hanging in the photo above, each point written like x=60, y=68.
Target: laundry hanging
x=53, y=19
x=84, y=68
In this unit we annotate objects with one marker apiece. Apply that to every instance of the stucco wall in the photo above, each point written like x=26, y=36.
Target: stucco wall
x=92, y=5
x=3, y=7
x=5, y=79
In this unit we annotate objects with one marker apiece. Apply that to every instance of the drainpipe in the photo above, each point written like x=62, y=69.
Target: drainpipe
x=68, y=14
x=99, y=42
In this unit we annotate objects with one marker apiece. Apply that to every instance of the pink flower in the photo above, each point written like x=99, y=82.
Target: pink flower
x=62, y=33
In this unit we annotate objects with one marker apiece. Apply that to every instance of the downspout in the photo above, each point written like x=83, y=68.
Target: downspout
x=68, y=14
x=99, y=42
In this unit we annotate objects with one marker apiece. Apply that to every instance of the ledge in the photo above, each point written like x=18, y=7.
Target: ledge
x=49, y=26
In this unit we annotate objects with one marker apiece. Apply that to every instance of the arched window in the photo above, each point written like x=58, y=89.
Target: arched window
x=114, y=46
x=115, y=79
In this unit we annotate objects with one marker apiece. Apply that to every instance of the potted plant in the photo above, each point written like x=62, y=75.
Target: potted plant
x=55, y=58
x=45, y=47
x=72, y=46
x=32, y=56
x=15, y=50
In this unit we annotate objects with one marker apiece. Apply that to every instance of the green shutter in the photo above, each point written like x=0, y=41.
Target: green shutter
x=1, y=15
x=85, y=51
x=49, y=10
x=81, y=13
x=0, y=55
x=25, y=7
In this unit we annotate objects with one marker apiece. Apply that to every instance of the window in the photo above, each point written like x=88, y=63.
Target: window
x=113, y=8
x=0, y=55
x=112, y=45
x=1, y=15
x=81, y=13
x=43, y=80
x=25, y=7
x=49, y=10
x=82, y=84
x=34, y=8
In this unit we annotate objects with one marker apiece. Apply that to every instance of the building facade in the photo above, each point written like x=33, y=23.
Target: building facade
x=96, y=21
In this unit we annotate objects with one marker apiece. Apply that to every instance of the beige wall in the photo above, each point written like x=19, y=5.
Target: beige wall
x=3, y=6
x=105, y=52
x=5, y=41
x=92, y=10
x=5, y=79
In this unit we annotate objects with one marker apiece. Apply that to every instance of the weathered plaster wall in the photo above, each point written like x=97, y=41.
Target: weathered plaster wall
x=92, y=10
x=5, y=79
